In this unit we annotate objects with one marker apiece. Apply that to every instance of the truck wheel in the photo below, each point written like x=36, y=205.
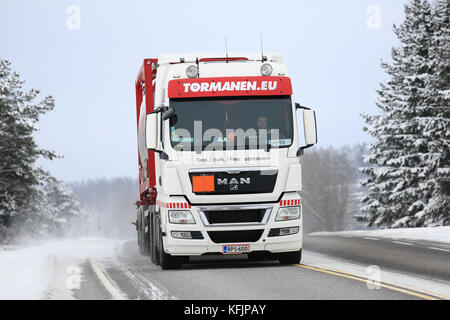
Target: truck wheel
x=166, y=260
x=147, y=226
x=155, y=256
x=139, y=232
x=139, y=243
x=143, y=237
x=154, y=251
x=290, y=257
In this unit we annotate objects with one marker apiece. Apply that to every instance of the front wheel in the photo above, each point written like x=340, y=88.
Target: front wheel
x=290, y=257
x=166, y=260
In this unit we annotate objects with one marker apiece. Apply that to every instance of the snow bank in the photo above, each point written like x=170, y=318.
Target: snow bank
x=438, y=234
x=43, y=271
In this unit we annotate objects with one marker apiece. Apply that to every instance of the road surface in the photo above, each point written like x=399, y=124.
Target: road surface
x=427, y=258
x=333, y=267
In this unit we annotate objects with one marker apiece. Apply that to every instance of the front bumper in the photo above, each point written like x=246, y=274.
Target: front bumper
x=197, y=247
x=178, y=247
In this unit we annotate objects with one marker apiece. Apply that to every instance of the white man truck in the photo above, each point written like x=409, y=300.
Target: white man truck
x=218, y=152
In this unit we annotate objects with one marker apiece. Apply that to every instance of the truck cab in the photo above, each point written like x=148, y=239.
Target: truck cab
x=219, y=147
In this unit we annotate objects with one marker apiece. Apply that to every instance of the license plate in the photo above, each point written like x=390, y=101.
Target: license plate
x=236, y=249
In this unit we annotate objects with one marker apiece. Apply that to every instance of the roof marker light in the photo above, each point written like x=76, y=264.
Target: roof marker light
x=266, y=69
x=192, y=71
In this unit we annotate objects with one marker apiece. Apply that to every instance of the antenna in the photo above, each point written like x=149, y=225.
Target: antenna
x=263, y=58
x=226, y=48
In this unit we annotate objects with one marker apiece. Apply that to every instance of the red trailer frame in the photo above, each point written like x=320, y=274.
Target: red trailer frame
x=144, y=84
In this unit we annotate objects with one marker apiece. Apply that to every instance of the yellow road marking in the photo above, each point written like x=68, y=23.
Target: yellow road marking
x=106, y=283
x=413, y=292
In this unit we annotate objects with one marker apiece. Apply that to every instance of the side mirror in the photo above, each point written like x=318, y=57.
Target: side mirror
x=310, y=127
x=309, y=123
x=152, y=131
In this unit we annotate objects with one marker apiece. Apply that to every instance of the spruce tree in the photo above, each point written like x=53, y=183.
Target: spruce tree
x=406, y=183
x=58, y=207
x=19, y=177
x=438, y=127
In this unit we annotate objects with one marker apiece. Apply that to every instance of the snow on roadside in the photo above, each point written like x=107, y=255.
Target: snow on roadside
x=44, y=271
x=438, y=234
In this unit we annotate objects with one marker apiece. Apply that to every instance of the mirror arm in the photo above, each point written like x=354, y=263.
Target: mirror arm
x=301, y=150
x=166, y=112
x=298, y=106
x=162, y=154
x=158, y=109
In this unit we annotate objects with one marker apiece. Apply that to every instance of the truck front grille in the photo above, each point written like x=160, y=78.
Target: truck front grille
x=235, y=216
x=235, y=236
x=260, y=180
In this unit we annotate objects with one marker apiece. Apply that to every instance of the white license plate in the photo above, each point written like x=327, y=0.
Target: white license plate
x=236, y=248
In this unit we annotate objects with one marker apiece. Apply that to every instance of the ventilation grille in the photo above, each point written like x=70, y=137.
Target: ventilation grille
x=235, y=236
x=235, y=216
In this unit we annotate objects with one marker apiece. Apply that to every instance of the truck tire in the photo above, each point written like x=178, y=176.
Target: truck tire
x=143, y=237
x=139, y=243
x=166, y=260
x=290, y=257
x=146, y=235
x=139, y=232
x=154, y=252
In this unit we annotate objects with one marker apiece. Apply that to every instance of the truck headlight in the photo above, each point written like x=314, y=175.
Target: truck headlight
x=181, y=217
x=288, y=213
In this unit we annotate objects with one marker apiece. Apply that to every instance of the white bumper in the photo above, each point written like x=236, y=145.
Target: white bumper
x=196, y=247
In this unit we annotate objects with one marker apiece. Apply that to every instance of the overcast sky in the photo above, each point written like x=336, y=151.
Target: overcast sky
x=331, y=48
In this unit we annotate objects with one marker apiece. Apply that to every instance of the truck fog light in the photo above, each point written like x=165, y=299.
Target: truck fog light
x=288, y=231
x=266, y=69
x=192, y=71
x=277, y=232
x=181, y=217
x=288, y=213
x=181, y=234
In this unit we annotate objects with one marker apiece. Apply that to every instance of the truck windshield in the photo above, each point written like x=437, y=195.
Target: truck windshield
x=231, y=123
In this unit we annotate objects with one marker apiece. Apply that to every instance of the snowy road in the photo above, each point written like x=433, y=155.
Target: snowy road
x=333, y=267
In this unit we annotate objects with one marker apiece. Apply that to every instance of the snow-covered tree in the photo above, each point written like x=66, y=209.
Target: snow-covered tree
x=19, y=177
x=409, y=176
x=328, y=179
x=58, y=207
x=438, y=128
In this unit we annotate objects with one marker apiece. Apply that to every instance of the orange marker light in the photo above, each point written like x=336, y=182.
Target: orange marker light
x=202, y=183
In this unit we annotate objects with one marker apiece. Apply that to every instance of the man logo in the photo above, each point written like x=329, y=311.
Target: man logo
x=233, y=181
x=234, y=187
